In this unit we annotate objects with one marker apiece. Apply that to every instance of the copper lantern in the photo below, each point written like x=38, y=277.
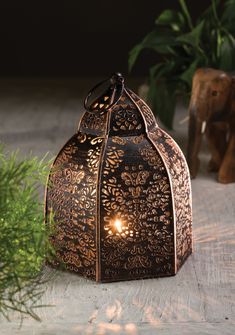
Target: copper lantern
x=120, y=192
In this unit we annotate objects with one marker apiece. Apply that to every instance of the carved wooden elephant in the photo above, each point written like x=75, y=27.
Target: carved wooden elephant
x=212, y=111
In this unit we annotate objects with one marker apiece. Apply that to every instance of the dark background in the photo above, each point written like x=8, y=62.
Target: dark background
x=77, y=38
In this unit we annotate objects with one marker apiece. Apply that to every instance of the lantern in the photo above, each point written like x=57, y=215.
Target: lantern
x=120, y=192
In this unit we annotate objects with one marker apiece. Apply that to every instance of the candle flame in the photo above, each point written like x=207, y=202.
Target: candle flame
x=118, y=225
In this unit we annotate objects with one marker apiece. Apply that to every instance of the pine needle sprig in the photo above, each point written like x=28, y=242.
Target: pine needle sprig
x=24, y=238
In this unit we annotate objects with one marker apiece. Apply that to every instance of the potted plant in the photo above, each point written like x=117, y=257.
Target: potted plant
x=182, y=46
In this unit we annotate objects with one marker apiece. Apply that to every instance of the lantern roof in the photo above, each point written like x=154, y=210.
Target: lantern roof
x=112, y=108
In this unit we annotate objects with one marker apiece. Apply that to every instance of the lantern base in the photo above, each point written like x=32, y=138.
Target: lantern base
x=55, y=264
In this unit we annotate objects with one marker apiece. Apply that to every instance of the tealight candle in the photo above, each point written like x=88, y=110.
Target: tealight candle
x=118, y=225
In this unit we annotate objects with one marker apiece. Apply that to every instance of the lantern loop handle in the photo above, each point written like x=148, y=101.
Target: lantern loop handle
x=114, y=92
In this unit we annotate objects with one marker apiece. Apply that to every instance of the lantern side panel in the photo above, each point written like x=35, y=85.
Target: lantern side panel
x=136, y=216
x=93, y=123
x=146, y=112
x=178, y=169
x=71, y=197
x=125, y=118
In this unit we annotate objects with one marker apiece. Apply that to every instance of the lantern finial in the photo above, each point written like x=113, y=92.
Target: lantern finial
x=117, y=77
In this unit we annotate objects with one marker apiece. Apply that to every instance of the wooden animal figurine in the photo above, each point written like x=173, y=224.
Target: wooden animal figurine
x=212, y=112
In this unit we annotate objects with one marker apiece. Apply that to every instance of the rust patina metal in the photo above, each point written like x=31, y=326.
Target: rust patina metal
x=120, y=192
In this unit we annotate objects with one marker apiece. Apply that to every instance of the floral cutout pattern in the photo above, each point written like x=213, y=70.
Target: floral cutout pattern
x=179, y=174
x=93, y=123
x=126, y=118
x=71, y=196
x=139, y=197
x=145, y=110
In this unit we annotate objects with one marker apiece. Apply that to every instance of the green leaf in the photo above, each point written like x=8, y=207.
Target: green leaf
x=156, y=40
x=166, y=17
x=187, y=75
x=214, y=5
x=186, y=13
x=133, y=55
x=160, y=70
x=208, y=13
x=154, y=69
x=229, y=11
x=162, y=99
x=171, y=18
x=192, y=38
x=228, y=16
x=227, y=54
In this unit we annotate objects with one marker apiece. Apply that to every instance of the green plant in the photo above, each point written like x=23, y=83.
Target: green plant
x=182, y=47
x=24, y=242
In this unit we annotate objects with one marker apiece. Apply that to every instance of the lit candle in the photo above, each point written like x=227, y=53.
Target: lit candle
x=118, y=225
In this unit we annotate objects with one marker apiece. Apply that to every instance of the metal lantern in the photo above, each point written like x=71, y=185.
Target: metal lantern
x=120, y=192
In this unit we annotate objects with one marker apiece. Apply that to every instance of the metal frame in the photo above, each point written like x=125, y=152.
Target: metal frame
x=120, y=193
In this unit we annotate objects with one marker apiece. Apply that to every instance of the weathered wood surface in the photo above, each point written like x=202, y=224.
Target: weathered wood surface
x=200, y=299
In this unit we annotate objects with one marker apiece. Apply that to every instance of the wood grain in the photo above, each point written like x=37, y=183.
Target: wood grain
x=39, y=116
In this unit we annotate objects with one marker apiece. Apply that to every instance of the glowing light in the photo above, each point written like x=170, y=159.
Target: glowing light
x=118, y=225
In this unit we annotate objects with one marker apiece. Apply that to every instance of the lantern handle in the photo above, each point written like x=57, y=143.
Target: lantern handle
x=114, y=92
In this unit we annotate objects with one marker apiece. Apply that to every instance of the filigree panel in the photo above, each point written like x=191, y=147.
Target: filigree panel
x=93, y=123
x=72, y=197
x=179, y=175
x=136, y=192
x=126, y=118
x=145, y=110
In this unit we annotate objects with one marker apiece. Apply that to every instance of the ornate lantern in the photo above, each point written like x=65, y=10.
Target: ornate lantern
x=120, y=192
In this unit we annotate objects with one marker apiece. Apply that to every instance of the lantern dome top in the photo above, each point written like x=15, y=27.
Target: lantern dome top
x=112, y=108
x=105, y=94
